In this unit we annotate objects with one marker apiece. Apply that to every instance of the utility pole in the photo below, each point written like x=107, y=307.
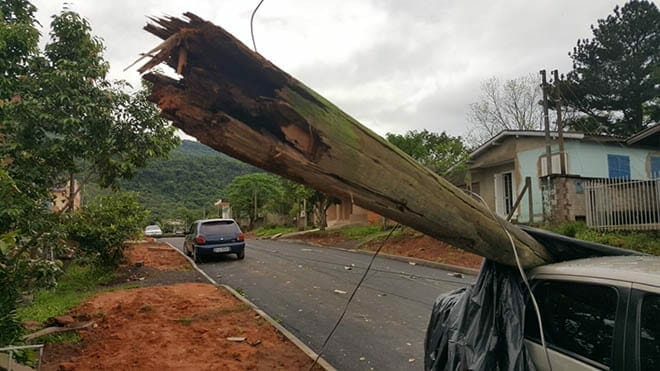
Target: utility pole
x=548, y=152
x=560, y=124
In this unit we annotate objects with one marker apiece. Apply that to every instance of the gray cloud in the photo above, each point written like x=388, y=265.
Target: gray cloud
x=394, y=65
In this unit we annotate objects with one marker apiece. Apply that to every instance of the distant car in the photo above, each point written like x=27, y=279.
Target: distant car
x=212, y=237
x=153, y=231
x=598, y=314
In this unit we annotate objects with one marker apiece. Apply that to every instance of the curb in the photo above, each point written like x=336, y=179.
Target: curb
x=422, y=262
x=297, y=342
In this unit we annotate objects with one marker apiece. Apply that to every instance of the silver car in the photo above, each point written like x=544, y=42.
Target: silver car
x=153, y=231
x=598, y=314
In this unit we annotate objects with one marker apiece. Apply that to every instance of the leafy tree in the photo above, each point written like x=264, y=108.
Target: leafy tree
x=252, y=195
x=615, y=79
x=509, y=105
x=438, y=152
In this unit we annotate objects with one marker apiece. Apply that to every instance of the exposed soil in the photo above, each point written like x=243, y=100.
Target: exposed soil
x=426, y=248
x=182, y=326
x=410, y=244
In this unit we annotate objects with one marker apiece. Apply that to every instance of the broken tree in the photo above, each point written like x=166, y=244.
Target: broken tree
x=235, y=101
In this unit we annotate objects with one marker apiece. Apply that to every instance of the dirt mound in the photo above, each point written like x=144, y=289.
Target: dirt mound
x=156, y=255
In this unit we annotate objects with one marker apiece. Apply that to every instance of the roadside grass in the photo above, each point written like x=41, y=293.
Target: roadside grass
x=76, y=284
x=271, y=231
x=643, y=241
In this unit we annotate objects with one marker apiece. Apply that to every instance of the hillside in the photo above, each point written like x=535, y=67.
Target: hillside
x=189, y=181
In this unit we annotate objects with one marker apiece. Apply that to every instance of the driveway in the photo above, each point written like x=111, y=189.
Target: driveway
x=306, y=288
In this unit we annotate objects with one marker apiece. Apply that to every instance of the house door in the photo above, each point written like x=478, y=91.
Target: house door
x=504, y=196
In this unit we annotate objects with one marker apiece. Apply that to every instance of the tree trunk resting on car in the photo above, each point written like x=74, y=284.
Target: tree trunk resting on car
x=235, y=101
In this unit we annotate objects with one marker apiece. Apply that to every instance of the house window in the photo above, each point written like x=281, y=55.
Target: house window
x=618, y=166
x=504, y=196
x=655, y=167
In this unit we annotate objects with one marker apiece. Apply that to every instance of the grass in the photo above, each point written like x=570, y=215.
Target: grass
x=643, y=241
x=76, y=284
x=271, y=231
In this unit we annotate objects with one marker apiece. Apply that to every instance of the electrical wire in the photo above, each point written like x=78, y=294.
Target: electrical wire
x=522, y=275
x=252, y=25
x=350, y=299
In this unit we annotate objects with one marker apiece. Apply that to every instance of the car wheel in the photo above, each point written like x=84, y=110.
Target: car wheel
x=195, y=256
x=241, y=255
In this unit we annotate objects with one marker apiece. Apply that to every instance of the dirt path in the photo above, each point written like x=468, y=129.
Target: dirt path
x=182, y=326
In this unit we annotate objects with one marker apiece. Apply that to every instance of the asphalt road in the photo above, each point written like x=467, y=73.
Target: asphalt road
x=386, y=322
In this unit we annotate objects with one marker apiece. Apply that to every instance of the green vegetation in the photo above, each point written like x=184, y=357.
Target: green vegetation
x=187, y=184
x=438, y=152
x=614, y=82
x=76, y=284
x=102, y=226
x=269, y=231
x=646, y=242
x=62, y=119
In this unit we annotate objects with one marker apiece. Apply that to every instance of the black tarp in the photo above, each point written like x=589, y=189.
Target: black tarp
x=480, y=327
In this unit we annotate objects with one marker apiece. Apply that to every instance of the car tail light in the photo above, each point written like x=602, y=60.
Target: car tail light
x=240, y=237
x=200, y=240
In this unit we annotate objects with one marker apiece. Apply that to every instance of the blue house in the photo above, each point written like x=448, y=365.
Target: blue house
x=498, y=170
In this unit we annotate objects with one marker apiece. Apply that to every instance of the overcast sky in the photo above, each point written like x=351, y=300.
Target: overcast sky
x=394, y=65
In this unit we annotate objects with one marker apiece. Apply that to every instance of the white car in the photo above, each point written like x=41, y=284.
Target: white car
x=153, y=231
x=598, y=314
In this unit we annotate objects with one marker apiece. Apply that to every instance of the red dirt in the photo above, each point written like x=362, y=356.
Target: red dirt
x=156, y=255
x=427, y=248
x=183, y=326
x=410, y=244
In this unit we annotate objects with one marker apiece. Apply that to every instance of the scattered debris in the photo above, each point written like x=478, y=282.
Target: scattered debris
x=306, y=250
x=139, y=264
x=411, y=360
x=340, y=292
x=382, y=294
x=348, y=268
x=300, y=266
x=237, y=339
x=455, y=274
x=409, y=344
x=362, y=359
x=412, y=263
x=254, y=343
x=56, y=330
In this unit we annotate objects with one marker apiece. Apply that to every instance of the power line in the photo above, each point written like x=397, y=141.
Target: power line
x=252, y=25
x=350, y=299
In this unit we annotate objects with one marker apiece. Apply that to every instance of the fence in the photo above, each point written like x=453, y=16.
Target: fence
x=623, y=204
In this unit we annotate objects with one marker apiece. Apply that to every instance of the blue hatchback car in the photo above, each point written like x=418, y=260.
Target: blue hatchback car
x=212, y=237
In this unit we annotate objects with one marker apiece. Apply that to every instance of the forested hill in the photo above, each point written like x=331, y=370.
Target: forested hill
x=190, y=180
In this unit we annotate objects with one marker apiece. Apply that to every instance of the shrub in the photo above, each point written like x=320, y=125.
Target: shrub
x=101, y=227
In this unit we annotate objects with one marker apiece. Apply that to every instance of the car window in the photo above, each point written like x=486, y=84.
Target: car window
x=577, y=318
x=649, y=345
x=221, y=227
x=192, y=229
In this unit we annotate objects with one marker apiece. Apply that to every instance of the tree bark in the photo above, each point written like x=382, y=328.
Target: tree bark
x=237, y=102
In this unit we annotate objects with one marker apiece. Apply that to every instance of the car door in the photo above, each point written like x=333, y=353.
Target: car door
x=583, y=322
x=644, y=328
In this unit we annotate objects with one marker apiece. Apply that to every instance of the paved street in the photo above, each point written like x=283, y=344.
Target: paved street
x=295, y=283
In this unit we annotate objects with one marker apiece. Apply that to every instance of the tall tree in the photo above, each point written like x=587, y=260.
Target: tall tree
x=505, y=105
x=438, y=152
x=252, y=195
x=615, y=79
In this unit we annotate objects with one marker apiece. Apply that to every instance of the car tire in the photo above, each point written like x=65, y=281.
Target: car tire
x=240, y=255
x=195, y=256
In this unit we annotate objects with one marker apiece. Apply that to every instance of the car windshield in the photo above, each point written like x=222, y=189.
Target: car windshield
x=220, y=227
x=152, y=228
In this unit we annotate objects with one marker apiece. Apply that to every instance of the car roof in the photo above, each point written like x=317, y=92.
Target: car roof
x=215, y=220
x=637, y=269
x=153, y=226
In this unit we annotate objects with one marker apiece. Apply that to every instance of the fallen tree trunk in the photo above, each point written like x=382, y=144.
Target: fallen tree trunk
x=237, y=102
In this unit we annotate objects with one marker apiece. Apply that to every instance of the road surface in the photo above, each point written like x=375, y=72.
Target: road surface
x=307, y=287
